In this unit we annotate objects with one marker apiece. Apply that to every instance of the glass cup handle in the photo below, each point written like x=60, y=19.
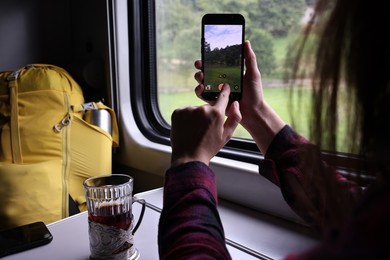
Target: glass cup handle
x=143, y=203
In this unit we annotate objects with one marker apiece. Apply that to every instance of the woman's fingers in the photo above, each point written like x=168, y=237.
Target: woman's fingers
x=198, y=64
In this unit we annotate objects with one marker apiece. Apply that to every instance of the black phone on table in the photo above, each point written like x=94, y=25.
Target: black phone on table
x=24, y=237
x=222, y=47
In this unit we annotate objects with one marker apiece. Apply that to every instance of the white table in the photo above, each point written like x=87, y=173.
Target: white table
x=250, y=234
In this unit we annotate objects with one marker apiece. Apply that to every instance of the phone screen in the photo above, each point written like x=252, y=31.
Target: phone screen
x=23, y=237
x=222, y=54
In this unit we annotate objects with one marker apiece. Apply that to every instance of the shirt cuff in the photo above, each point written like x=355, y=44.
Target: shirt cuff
x=190, y=176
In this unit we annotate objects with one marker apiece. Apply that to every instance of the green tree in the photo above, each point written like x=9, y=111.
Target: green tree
x=262, y=44
x=174, y=18
x=277, y=17
x=179, y=25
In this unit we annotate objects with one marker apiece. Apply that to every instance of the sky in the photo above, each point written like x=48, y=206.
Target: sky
x=220, y=36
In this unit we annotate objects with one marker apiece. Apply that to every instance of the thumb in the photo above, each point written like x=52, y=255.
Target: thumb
x=250, y=57
x=233, y=119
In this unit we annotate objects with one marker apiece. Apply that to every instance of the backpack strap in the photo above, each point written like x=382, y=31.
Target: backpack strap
x=14, y=124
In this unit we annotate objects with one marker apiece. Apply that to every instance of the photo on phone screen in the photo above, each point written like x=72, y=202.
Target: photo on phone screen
x=24, y=237
x=222, y=54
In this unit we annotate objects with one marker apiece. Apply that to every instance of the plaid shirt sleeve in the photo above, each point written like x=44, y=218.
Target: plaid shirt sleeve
x=190, y=226
x=314, y=190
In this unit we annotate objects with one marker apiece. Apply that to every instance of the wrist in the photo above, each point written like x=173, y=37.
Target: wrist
x=263, y=124
x=176, y=161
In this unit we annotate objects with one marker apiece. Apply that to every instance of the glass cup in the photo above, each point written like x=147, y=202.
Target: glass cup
x=110, y=218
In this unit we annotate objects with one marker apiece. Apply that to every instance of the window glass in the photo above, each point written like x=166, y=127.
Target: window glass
x=271, y=26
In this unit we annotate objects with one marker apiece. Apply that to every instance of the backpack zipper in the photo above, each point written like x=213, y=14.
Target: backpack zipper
x=62, y=126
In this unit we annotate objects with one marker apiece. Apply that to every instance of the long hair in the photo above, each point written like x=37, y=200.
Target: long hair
x=351, y=76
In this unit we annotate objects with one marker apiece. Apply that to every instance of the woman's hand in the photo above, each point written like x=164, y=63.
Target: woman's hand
x=198, y=133
x=258, y=118
x=252, y=90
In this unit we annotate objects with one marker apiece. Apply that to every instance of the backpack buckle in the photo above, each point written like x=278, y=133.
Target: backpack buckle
x=14, y=75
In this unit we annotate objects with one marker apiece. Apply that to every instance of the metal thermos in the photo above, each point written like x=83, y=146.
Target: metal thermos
x=100, y=118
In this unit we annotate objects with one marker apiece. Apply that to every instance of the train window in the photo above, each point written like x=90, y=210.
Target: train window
x=168, y=49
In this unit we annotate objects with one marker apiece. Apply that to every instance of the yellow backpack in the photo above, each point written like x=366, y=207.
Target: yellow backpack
x=47, y=150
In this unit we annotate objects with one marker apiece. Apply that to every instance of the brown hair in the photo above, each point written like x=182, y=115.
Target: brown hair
x=351, y=70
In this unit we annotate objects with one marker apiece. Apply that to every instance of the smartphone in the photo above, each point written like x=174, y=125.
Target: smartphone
x=24, y=237
x=222, y=47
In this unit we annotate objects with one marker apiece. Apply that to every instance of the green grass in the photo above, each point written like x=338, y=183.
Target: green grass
x=277, y=97
x=171, y=98
x=218, y=75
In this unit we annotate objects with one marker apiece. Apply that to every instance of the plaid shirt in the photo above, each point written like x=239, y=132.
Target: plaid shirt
x=190, y=226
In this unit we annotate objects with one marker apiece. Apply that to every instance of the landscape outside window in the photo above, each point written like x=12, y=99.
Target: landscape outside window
x=271, y=26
